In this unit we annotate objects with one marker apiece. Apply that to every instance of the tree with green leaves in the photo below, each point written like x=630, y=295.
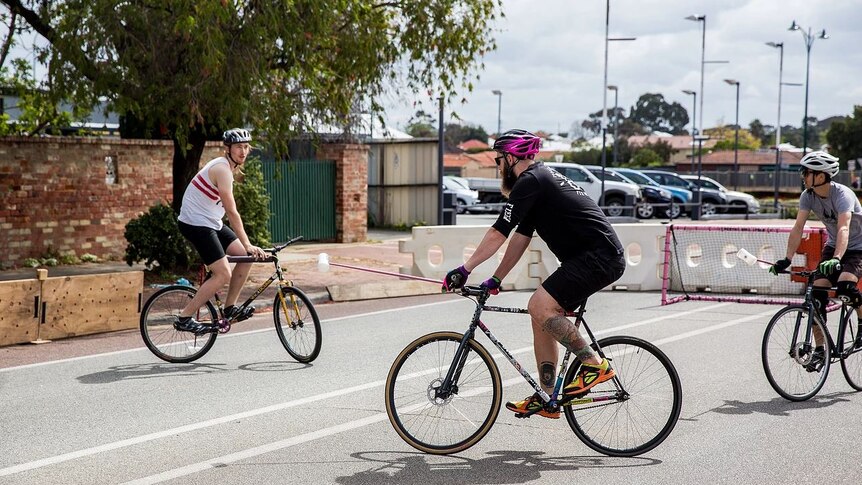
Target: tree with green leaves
x=190, y=69
x=653, y=112
x=422, y=125
x=845, y=137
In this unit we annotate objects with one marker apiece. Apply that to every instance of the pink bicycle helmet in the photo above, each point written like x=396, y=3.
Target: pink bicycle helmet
x=519, y=143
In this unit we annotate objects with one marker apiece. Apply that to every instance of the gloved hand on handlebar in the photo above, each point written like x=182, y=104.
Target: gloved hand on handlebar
x=779, y=266
x=455, y=279
x=492, y=284
x=829, y=266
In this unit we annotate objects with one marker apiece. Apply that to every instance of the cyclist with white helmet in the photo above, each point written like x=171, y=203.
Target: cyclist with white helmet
x=207, y=199
x=838, y=208
x=542, y=200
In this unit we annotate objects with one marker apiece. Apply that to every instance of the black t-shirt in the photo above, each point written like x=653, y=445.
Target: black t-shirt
x=563, y=215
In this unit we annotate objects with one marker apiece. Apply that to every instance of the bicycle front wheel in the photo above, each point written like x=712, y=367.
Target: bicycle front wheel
x=788, y=356
x=641, y=403
x=435, y=423
x=157, y=326
x=297, y=324
x=851, y=360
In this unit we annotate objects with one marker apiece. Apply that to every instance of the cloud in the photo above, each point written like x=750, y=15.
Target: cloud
x=549, y=64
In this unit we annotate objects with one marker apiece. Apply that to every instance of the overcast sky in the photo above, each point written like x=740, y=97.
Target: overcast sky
x=550, y=57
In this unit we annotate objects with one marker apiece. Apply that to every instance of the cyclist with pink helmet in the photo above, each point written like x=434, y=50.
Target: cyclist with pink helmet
x=542, y=200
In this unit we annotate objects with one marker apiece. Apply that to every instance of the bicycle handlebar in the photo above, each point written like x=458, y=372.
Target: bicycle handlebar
x=269, y=259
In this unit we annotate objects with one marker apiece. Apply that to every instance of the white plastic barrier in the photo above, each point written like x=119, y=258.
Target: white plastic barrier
x=438, y=249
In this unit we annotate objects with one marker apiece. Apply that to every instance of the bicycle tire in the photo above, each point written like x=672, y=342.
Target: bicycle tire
x=301, y=340
x=642, y=421
x=453, y=424
x=785, y=366
x=157, y=326
x=851, y=361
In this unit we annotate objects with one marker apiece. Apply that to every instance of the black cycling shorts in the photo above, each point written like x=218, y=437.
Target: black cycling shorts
x=850, y=263
x=209, y=243
x=581, y=276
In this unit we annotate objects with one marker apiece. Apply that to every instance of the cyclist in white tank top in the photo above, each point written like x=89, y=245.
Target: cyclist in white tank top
x=208, y=198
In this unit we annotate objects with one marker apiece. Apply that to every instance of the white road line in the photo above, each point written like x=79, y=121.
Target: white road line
x=289, y=404
x=230, y=335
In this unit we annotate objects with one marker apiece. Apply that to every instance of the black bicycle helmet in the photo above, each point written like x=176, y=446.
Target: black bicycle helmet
x=236, y=135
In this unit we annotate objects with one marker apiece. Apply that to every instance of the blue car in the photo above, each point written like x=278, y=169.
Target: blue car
x=680, y=195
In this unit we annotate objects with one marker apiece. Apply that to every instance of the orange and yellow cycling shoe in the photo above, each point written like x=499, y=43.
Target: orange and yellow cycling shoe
x=589, y=376
x=532, y=404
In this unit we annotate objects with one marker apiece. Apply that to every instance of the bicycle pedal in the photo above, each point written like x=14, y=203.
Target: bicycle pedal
x=522, y=415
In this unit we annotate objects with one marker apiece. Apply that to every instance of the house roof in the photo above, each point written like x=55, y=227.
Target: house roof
x=483, y=159
x=747, y=157
x=473, y=144
x=677, y=142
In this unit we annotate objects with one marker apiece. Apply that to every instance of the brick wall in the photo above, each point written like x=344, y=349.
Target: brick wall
x=55, y=196
x=351, y=189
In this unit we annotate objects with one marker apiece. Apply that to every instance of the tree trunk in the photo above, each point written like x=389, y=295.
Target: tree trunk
x=186, y=164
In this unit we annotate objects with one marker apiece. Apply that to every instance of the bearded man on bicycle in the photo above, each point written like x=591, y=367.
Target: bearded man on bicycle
x=838, y=208
x=576, y=230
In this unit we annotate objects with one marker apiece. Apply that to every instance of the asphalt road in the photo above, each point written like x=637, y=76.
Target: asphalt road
x=246, y=413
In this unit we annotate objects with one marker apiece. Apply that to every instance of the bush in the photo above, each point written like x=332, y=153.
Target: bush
x=252, y=202
x=155, y=239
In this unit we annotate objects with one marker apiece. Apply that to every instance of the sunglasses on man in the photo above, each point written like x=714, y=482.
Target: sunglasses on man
x=500, y=159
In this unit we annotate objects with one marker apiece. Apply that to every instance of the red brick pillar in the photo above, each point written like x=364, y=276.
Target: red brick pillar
x=351, y=189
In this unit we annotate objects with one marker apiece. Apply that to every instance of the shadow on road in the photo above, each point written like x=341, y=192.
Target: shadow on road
x=499, y=467
x=776, y=406
x=149, y=371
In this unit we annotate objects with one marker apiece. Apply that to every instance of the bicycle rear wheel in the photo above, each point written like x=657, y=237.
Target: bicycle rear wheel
x=787, y=355
x=647, y=403
x=851, y=361
x=157, y=326
x=442, y=424
x=297, y=324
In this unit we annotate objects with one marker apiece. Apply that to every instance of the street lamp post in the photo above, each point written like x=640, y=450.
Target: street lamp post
x=693, y=123
x=781, y=83
x=809, y=41
x=701, y=18
x=605, y=96
x=499, y=107
x=733, y=82
x=615, y=89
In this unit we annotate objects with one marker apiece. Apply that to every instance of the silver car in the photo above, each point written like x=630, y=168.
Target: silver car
x=738, y=201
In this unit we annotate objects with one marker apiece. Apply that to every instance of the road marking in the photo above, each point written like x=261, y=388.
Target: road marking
x=230, y=335
x=311, y=399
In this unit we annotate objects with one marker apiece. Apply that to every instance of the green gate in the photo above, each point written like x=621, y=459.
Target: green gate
x=302, y=199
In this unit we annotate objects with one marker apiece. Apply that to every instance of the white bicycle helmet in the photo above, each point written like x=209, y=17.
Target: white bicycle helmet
x=236, y=135
x=820, y=162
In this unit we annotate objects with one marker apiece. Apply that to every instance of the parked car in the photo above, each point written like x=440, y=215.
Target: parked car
x=711, y=201
x=616, y=193
x=655, y=198
x=466, y=198
x=738, y=201
x=679, y=195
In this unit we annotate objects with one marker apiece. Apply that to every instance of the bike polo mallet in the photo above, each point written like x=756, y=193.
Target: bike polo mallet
x=749, y=258
x=323, y=265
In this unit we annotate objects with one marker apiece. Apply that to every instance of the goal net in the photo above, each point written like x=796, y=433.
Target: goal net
x=700, y=263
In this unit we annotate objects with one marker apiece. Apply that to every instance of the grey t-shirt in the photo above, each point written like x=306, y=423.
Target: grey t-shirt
x=840, y=199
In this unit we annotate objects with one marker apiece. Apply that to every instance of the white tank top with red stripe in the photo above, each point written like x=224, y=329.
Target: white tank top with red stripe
x=202, y=204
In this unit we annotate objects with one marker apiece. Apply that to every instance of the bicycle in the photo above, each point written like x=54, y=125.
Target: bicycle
x=295, y=318
x=444, y=390
x=791, y=337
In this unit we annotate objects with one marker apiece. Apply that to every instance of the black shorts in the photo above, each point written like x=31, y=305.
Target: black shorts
x=580, y=277
x=209, y=243
x=850, y=263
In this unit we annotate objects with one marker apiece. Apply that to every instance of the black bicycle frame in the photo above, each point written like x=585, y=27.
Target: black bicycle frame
x=450, y=382
x=838, y=350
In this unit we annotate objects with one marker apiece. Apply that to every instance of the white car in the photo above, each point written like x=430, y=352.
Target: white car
x=618, y=195
x=738, y=201
x=465, y=197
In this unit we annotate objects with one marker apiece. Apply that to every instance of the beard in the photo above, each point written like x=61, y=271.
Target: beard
x=508, y=180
